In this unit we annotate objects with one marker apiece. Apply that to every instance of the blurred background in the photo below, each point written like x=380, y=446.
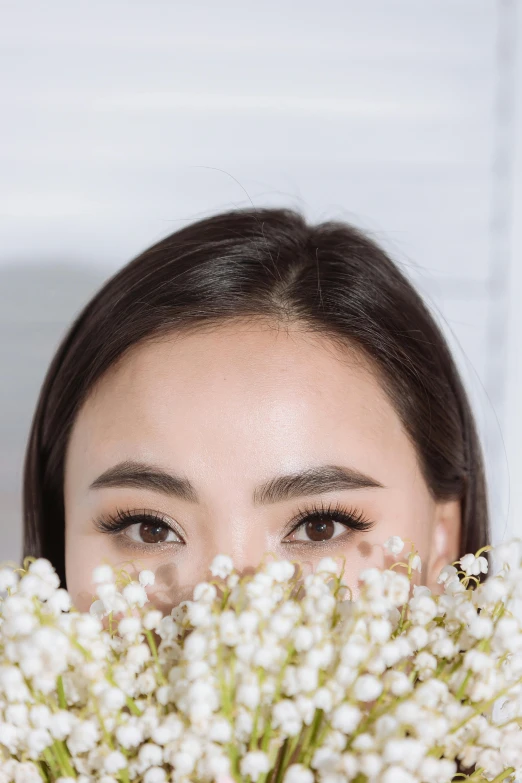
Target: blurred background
x=124, y=120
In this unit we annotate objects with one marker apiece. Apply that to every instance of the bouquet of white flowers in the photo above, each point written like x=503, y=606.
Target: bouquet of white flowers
x=272, y=677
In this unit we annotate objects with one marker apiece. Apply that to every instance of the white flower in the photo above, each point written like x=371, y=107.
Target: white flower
x=113, y=699
x=398, y=683
x=407, y=751
x=248, y=693
x=37, y=740
x=130, y=627
x=346, y=718
x=480, y=627
x=370, y=764
x=155, y=775
x=254, y=764
x=45, y=570
x=146, y=578
x=8, y=579
x=327, y=565
x=298, y=773
x=17, y=714
x=106, y=591
x=88, y=627
x=138, y=654
x=394, y=545
x=418, y=637
x=135, y=594
x=349, y=764
x=152, y=619
x=97, y=609
x=280, y=570
x=473, y=566
x=397, y=774
x=195, y=646
x=448, y=574
x=303, y=638
x=150, y=755
x=129, y=735
x=228, y=630
x=39, y=715
x=83, y=737
x=509, y=554
x=60, y=601
x=397, y=587
x=422, y=609
x=102, y=573
x=27, y=772
x=205, y=593
x=416, y=563
x=220, y=730
x=114, y=762
x=367, y=688
x=425, y=662
x=380, y=630
x=325, y=760
x=221, y=566
x=374, y=578
x=286, y=715
x=33, y=585
x=168, y=628
x=169, y=730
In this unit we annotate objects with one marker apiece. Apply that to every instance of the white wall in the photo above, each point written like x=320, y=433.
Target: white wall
x=122, y=121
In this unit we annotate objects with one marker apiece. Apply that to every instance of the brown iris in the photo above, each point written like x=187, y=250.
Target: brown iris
x=319, y=529
x=153, y=533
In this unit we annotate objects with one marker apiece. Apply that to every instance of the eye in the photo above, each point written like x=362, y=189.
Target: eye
x=320, y=524
x=143, y=528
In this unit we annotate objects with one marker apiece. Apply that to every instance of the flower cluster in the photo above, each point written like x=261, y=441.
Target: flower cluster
x=274, y=677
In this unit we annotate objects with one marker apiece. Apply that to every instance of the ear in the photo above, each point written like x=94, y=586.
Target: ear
x=445, y=540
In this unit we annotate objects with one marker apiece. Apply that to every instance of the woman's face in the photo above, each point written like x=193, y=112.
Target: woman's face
x=194, y=446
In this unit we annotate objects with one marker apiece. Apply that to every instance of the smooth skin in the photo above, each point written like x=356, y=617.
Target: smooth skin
x=227, y=410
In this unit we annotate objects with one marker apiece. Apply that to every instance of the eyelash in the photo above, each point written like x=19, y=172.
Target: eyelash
x=349, y=517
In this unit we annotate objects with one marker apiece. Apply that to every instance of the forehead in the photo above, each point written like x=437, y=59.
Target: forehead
x=238, y=396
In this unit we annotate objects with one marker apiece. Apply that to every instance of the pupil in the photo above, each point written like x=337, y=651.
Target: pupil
x=318, y=530
x=152, y=533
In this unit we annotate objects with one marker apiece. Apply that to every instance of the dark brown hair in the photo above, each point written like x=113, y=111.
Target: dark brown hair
x=328, y=278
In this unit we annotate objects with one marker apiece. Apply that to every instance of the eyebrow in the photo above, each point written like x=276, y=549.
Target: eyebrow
x=312, y=481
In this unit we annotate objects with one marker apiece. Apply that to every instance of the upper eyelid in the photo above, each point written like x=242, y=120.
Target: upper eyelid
x=127, y=514
x=332, y=508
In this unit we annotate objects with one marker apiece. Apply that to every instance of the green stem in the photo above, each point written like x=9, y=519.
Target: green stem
x=54, y=767
x=132, y=706
x=154, y=651
x=508, y=771
x=253, y=739
x=45, y=772
x=284, y=757
x=308, y=743
x=462, y=687
x=63, y=754
x=130, y=702
x=61, y=693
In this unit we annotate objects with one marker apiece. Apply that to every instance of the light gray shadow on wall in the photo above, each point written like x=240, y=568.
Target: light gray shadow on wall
x=38, y=302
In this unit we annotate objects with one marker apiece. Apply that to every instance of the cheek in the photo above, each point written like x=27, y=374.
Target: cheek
x=81, y=557
x=405, y=513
